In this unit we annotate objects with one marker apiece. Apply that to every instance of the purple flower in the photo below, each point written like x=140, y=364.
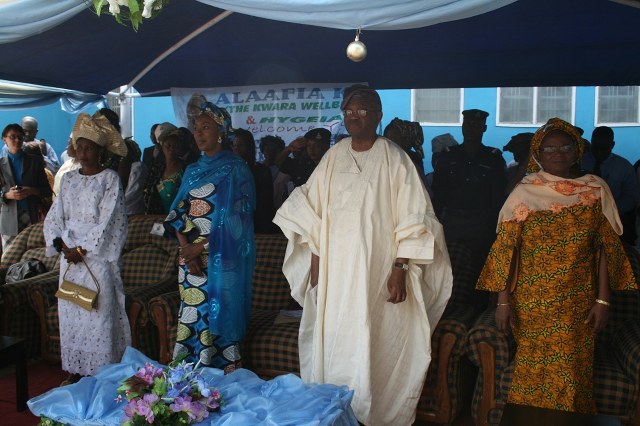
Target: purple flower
x=195, y=410
x=213, y=403
x=142, y=407
x=181, y=404
x=181, y=388
x=129, y=409
x=149, y=372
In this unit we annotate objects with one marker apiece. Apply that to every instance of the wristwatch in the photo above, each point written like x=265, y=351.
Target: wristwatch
x=403, y=266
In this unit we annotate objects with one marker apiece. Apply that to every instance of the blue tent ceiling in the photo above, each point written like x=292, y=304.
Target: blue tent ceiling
x=526, y=43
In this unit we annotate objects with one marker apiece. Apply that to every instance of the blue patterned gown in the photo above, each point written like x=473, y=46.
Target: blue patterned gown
x=216, y=201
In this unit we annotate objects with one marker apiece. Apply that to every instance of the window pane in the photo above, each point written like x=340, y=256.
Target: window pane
x=516, y=105
x=618, y=104
x=437, y=105
x=554, y=102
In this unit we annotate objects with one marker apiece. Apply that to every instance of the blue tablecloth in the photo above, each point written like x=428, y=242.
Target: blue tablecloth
x=249, y=400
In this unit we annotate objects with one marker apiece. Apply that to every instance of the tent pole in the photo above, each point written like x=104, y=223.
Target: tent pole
x=178, y=45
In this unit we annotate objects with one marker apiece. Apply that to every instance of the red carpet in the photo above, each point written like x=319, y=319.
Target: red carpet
x=43, y=376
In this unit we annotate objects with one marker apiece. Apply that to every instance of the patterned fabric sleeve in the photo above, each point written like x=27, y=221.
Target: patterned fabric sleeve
x=495, y=273
x=178, y=220
x=620, y=273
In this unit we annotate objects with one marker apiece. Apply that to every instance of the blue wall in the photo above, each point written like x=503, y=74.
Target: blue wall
x=149, y=111
x=397, y=103
x=55, y=124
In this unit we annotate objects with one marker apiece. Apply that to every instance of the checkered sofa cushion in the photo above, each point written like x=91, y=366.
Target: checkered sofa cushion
x=164, y=310
x=139, y=233
x=270, y=287
x=271, y=349
x=485, y=331
x=19, y=318
x=16, y=317
x=146, y=265
x=443, y=402
x=616, y=364
x=30, y=237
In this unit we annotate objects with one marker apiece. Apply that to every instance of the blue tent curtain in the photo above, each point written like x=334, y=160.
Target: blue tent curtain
x=23, y=18
x=20, y=19
x=19, y=96
x=365, y=14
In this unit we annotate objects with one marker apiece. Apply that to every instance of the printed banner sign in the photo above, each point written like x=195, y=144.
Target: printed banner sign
x=284, y=110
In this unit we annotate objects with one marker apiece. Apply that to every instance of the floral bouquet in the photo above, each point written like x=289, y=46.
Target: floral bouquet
x=130, y=10
x=176, y=395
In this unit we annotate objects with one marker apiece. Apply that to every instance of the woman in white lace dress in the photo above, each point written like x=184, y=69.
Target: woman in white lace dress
x=87, y=224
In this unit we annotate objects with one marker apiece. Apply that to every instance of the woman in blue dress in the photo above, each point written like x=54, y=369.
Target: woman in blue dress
x=212, y=218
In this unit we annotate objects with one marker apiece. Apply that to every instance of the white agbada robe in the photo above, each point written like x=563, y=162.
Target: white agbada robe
x=358, y=222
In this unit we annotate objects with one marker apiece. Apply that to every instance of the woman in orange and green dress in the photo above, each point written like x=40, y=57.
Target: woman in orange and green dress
x=556, y=259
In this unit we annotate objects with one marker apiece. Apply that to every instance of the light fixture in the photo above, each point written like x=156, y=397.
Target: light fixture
x=356, y=50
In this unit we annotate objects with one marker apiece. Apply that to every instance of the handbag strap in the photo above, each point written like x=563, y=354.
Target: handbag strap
x=88, y=269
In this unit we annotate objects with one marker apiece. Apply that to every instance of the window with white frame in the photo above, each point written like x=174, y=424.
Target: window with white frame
x=534, y=105
x=617, y=105
x=436, y=106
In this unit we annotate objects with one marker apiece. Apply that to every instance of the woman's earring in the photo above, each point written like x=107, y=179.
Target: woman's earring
x=219, y=139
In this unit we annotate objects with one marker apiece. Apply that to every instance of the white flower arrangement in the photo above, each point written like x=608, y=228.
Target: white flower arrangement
x=133, y=11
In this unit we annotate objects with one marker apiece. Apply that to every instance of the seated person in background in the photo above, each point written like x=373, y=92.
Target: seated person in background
x=67, y=166
x=517, y=169
x=271, y=146
x=311, y=147
x=244, y=145
x=408, y=135
x=619, y=175
x=439, y=145
x=165, y=177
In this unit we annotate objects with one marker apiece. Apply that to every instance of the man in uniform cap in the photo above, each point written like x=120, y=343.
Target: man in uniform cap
x=468, y=184
x=308, y=151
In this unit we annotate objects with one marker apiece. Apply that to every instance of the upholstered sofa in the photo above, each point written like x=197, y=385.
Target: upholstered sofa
x=269, y=349
x=616, y=365
x=149, y=268
x=17, y=318
x=271, y=345
x=450, y=379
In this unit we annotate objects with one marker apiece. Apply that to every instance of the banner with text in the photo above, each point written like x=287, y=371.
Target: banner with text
x=285, y=110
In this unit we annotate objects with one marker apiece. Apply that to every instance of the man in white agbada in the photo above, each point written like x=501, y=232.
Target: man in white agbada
x=368, y=262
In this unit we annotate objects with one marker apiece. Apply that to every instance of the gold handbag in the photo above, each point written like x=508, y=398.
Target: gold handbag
x=84, y=297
